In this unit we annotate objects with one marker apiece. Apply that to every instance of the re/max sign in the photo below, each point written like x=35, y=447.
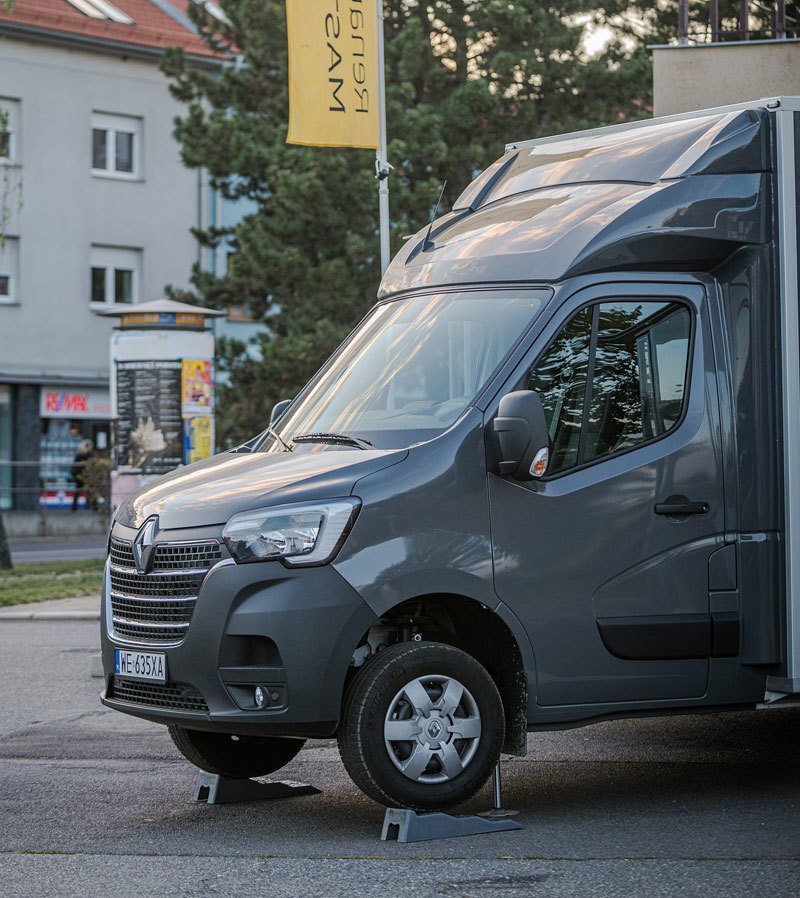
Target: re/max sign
x=92, y=402
x=348, y=64
x=66, y=402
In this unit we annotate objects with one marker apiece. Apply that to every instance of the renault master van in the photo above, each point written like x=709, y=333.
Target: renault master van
x=551, y=478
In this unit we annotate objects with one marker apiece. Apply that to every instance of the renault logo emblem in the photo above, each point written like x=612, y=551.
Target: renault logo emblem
x=144, y=545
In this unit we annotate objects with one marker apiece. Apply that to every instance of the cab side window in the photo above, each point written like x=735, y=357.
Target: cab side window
x=613, y=378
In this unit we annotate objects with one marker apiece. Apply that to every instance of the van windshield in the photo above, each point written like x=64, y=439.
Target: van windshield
x=412, y=367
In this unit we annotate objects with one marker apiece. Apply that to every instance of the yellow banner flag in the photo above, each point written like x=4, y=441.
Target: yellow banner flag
x=333, y=73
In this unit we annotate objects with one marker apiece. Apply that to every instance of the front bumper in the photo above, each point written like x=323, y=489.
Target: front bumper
x=290, y=630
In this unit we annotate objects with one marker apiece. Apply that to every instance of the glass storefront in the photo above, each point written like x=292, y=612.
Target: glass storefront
x=69, y=415
x=58, y=447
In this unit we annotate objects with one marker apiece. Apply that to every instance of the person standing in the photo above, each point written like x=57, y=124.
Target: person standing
x=84, y=453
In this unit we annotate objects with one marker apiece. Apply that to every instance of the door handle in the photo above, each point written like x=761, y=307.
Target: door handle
x=681, y=508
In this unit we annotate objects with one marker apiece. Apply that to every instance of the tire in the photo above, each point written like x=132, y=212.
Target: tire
x=401, y=693
x=239, y=757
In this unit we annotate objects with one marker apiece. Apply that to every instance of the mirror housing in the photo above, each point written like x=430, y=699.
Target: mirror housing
x=278, y=409
x=521, y=429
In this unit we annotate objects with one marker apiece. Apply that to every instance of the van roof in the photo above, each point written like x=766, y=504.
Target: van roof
x=674, y=192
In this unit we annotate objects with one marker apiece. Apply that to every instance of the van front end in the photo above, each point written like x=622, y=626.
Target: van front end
x=216, y=645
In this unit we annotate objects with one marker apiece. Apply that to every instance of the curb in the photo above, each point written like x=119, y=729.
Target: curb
x=50, y=615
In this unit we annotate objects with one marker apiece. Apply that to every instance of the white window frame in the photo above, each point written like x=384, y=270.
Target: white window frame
x=112, y=124
x=101, y=9
x=10, y=107
x=112, y=258
x=10, y=249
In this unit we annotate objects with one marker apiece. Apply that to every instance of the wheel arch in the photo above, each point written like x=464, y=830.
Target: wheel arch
x=472, y=626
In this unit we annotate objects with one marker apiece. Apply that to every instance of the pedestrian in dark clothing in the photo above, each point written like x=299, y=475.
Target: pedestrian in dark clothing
x=85, y=452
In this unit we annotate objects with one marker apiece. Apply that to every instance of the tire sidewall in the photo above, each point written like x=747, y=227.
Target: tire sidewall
x=378, y=691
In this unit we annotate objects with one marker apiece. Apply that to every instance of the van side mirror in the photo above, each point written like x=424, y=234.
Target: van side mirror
x=278, y=409
x=521, y=429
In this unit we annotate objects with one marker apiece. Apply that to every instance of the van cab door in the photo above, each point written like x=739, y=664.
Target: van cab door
x=605, y=559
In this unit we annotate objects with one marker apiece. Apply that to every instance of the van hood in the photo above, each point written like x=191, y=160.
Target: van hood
x=209, y=492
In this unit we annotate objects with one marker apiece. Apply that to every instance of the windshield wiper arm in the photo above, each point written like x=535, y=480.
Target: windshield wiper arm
x=342, y=439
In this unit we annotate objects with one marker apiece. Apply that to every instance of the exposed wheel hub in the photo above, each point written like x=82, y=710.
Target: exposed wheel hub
x=432, y=729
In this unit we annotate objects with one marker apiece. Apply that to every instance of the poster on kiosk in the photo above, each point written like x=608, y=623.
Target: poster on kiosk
x=162, y=391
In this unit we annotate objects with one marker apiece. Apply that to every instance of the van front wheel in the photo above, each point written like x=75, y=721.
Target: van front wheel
x=422, y=727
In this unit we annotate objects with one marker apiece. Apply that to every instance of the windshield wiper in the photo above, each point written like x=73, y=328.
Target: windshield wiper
x=341, y=439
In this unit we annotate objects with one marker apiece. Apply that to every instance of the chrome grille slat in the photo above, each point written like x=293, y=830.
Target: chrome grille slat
x=154, y=599
x=150, y=625
x=157, y=607
x=164, y=575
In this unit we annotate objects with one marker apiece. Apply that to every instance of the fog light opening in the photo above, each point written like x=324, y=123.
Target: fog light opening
x=260, y=696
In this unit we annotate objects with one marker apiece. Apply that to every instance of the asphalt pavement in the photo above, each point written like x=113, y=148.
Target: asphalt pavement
x=57, y=548
x=93, y=802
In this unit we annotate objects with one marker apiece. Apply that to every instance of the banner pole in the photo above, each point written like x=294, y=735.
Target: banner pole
x=382, y=166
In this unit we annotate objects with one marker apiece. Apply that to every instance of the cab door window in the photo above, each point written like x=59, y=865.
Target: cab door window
x=614, y=378
x=560, y=378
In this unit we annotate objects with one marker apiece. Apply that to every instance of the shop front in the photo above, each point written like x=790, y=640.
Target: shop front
x=69, y=416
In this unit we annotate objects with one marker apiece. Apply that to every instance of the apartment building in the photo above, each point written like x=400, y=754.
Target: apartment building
x=98, y=212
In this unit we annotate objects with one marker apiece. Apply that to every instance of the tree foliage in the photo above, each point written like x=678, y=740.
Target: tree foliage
x=463, y=78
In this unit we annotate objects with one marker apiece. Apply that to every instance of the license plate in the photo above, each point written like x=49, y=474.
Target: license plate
x=141, y=665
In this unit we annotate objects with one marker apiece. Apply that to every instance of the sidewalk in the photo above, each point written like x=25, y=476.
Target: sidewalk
x=82, y=608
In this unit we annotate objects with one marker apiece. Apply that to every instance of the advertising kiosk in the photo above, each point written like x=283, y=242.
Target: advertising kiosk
x=162, y=391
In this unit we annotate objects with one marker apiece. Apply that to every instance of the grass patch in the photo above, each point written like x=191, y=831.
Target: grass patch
x=40, y=581
x=51, y=568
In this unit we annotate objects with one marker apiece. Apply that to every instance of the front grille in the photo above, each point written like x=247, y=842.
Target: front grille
x=153, y=586
x=170, y=556
x=176, y=696
x=179, y=557
x=154, y=612
x=121, y=553
x=157, y=607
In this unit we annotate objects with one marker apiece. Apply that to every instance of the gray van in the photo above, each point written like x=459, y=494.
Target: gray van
x=550, y=478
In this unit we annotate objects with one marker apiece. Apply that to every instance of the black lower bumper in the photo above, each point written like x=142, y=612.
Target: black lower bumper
x=291, y=631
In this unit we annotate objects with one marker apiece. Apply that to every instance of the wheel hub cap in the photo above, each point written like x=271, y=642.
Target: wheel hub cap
x=432, y=729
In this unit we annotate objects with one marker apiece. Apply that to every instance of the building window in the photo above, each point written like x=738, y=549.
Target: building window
x=9, y=265
x=101, y=9
x=116, y=142
x=9, y=134
x=115, y=274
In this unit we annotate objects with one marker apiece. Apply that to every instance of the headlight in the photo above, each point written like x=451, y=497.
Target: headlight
x=299, y=534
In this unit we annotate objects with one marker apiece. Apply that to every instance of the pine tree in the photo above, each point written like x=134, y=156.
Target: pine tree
x=463, y=78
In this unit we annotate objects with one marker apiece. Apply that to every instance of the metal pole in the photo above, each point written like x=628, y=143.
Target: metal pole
x=780, y=23
x=381, y=162
x=498, y=789
x=714, y=21
x=744, y=20
x=498, y=810
x=683, y=22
